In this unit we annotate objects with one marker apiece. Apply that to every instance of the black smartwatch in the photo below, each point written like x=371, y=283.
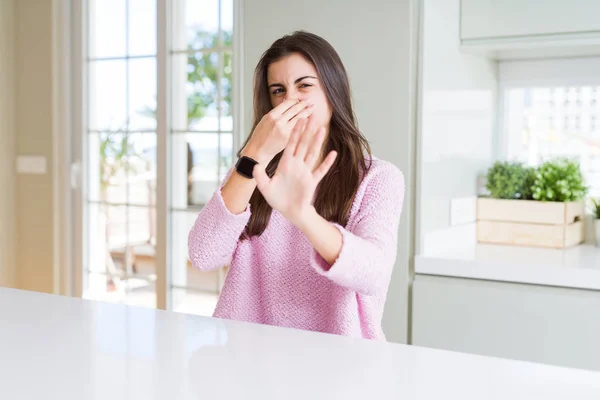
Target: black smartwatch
x=245, y=167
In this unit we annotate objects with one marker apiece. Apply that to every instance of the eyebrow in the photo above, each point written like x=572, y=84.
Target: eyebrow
x=296, y=81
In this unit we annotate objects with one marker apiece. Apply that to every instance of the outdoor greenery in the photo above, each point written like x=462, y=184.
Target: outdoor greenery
x=203, y=76
x=116, y=148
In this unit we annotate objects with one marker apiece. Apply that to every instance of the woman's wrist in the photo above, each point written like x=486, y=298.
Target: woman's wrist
x=305, y=219
x=256, y=155
x=325, y=238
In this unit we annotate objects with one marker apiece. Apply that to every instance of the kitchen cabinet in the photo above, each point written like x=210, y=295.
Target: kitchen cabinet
x=550, y=325
x=509, y=29
x=487, y=19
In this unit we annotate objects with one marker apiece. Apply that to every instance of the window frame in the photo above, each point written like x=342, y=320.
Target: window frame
x=79, y=11
x=577, y=71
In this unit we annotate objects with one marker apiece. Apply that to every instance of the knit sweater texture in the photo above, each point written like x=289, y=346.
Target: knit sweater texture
x=278, y=278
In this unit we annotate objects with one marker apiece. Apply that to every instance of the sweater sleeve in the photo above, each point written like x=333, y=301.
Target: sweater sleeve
x=215, y=234
x=369, y=246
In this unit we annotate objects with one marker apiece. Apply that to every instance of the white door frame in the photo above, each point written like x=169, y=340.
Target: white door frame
x=78, y=96
x=62, y=200
x=163, y=226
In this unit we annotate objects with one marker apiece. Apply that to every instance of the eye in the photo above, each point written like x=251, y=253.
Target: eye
x=277, y=91
x=305, y=85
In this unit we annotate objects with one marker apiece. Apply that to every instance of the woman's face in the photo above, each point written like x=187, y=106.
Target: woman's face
x=293, y=77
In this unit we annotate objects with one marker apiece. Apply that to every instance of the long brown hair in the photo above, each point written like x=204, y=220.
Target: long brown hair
x=336, y=191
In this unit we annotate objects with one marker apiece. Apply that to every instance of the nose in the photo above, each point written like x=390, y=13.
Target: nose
x=292, y=94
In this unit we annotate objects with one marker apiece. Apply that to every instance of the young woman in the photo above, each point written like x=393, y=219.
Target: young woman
x=308, y=219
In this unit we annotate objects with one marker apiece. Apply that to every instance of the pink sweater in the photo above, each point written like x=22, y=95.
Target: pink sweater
x=279, y=279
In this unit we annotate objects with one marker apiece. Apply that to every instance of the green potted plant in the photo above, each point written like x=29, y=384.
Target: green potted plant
x=540, y=206
x=510, y=180
x=559, y=180
x=596, y=213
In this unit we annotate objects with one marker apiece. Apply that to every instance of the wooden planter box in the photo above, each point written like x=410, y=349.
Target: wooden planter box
x=530, y=223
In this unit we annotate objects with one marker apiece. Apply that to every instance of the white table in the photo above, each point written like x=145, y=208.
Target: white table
x=70, y=349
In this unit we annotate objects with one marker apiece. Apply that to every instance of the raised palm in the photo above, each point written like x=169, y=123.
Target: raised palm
x=292, y=188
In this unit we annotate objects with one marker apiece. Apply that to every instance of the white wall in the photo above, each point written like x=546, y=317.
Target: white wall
x=457, y=123
x=7, y=144
x=34, y=119
x=375, y=40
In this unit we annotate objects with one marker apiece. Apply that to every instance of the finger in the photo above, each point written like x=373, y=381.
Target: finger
x=305, y=139
x=261, y=177
x=290, y=149
x=305, y=113
x=295, y=109
x=325, y=166
x=315, y=148
x=283, y=107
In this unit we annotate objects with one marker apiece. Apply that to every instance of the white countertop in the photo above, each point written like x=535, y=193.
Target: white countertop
x=575, y=267
x=71, y=349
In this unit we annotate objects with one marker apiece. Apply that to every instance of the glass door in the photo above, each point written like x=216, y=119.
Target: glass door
x=120, y=147
x=201, y=135
x=158, y=137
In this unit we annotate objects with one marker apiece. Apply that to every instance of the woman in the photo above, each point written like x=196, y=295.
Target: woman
x=307, y=220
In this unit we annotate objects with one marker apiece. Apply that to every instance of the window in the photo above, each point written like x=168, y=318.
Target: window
x=555, y=117
x=122, y=142
x=201, y=134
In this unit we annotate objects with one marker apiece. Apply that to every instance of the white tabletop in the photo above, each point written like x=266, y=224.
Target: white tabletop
x=574, y=267
x=70, y=349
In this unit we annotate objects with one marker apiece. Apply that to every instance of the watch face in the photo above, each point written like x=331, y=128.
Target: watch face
x=245, y=167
